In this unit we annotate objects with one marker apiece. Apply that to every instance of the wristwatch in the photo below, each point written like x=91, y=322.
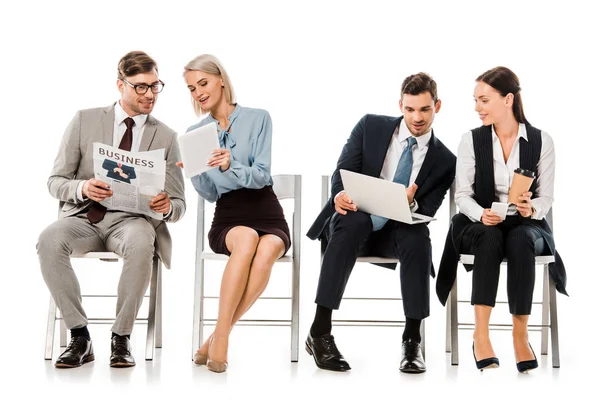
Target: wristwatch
x=533, y=210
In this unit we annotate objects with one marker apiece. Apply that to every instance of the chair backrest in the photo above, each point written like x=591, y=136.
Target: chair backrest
x=285, y=187
x=324, y=189
x=453, y=209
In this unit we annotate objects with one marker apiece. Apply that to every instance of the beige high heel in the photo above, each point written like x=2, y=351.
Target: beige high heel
x=215, y=366
x=200, y=359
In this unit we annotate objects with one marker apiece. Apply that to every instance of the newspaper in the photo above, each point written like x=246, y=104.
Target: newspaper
x=134, y=177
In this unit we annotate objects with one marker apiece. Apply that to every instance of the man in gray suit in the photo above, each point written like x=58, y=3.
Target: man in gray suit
x=84, y=225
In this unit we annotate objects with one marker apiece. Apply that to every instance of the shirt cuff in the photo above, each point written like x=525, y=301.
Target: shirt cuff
x=168, y=215
x=414, y=206
x=80, y=191
x=536, y=213
x=472, y=216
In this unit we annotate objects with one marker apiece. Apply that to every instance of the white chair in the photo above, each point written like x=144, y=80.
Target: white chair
x=154, y=319
x=285, y=187
x=548, y=303
x=325, y=181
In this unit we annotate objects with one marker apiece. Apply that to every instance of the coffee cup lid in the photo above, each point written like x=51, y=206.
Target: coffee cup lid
x=525, y=172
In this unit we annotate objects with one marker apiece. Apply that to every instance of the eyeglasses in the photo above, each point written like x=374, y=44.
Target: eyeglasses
x=142, y=88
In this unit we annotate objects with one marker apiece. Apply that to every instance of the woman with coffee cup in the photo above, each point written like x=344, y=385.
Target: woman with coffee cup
x=505, y=160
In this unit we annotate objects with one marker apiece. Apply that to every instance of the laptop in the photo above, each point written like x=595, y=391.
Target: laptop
x=380, y=197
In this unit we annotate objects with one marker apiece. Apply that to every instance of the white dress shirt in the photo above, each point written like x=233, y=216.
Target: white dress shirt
x=397, y=145
x=120, y=127
x=503, y=175
x=118, y=133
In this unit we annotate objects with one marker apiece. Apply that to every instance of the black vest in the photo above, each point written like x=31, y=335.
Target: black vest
x=529, y=156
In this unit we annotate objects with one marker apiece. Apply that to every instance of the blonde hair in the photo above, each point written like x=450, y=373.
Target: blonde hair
x=211, y=65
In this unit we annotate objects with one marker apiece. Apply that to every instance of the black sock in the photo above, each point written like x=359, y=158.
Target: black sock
x=114, y=334
x=83, y=331
x=322, y=323
x=411, y=330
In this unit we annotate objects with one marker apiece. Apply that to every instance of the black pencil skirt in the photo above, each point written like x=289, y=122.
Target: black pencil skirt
x=258, y=209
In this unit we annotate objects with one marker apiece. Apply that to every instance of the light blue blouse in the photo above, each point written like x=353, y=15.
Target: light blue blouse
x=248, y=138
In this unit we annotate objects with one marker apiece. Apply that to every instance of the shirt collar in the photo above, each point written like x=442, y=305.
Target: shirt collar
x=404, y=133
x=234, y=114
x=120, y=116
x=521, y=134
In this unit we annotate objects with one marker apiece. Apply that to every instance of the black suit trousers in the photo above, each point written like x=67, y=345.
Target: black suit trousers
x=519, y=243
x=350, y=236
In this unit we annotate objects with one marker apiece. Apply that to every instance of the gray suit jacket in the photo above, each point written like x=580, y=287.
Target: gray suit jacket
x=74, y=163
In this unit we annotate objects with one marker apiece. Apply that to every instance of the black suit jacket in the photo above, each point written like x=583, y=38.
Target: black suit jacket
x=365, y=153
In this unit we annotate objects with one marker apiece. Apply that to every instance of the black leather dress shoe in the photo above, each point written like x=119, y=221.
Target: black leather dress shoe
x=412, y=357
x=78, y=352
x=120, y=349
x=325, y=352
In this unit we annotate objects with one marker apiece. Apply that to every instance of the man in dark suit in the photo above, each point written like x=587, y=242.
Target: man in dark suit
x=404, y=150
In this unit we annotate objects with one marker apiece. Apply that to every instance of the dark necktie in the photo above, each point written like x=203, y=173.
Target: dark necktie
x=402, y=176
x=96, y=212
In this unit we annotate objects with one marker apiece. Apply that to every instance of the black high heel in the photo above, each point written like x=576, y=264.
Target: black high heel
x=491, y=362
x=525, y=366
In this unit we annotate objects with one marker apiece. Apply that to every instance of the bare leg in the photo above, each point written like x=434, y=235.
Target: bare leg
x=521, y=338
x=242, y=242
x=270, y=248
x=481, y=336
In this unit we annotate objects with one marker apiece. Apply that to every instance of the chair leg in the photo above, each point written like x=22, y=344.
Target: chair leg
x=545, y=311
x=50, y=330
x=454, y=322
x=152, y=310
x=63, y=333
x=554, y=324
x=198, y=330
x=295, y=309
x=422, y=332
x=158, y=330
x=448, y=327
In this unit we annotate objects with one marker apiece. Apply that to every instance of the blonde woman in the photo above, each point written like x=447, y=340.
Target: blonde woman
x=248, y=225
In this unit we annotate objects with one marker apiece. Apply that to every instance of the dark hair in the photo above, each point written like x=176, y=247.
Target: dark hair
x=505, y=81
x=420, y=83
x=135, y=62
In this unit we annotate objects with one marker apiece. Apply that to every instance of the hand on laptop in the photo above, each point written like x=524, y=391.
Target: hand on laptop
x=410, y=192
x=343, y=202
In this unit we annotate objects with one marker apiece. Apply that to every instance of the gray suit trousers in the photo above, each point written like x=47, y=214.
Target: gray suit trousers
x=129, y=235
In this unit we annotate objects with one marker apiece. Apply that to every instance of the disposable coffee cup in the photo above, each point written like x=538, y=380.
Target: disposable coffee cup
x=522, y=180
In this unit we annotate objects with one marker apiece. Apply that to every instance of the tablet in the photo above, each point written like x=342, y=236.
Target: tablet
x=196, y=147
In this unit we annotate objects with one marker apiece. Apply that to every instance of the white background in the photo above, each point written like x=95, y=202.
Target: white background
x=317, y=67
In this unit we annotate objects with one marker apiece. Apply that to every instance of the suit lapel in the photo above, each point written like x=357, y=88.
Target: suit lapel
x=385, y=139
x=149, y=132
x=430, y=157
x=108, y=122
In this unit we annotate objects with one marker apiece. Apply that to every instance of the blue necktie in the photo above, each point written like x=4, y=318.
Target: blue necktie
x=401, y=176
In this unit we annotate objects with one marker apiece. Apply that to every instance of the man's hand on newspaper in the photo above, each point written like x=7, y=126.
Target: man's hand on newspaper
x=96, y=190
x=221, y=158
x=161, y=203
